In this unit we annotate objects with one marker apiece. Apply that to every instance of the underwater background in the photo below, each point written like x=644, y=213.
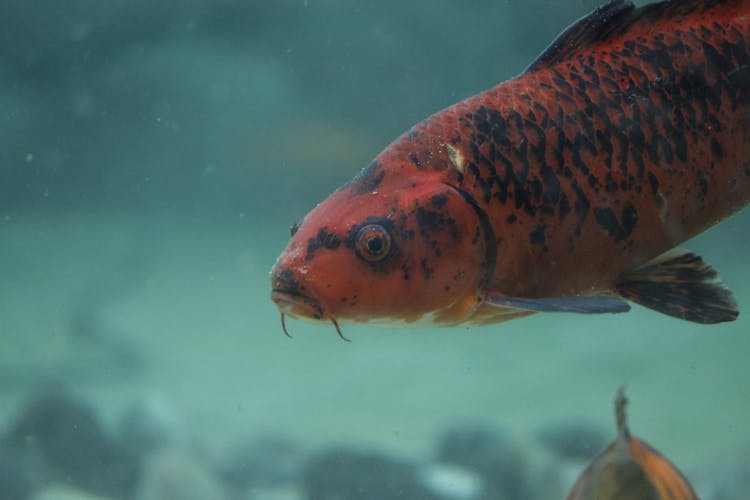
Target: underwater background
x=153, y=155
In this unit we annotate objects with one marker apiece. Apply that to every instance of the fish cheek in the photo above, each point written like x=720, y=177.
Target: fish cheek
x=435, y=260
x=449, y=250
x=449, y=261
x=401, y=285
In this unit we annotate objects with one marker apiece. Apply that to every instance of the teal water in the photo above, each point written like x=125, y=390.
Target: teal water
x=153, y=157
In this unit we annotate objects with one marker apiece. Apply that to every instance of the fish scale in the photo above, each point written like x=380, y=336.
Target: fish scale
x=606, y=138
x=561, y=190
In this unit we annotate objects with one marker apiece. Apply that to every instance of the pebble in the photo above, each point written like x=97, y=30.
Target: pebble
x=492, y=455
x=176, y=474
x=63, y=437
x=341, y=473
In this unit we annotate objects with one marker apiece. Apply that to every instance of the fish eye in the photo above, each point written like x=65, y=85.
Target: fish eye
x=373, y=242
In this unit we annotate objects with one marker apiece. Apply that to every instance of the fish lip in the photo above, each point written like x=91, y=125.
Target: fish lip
x=295, y=304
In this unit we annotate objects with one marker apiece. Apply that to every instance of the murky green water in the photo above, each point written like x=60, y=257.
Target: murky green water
x=153, y=156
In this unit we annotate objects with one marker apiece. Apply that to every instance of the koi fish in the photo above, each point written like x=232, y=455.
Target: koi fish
x=630, y=469
x=564, y=189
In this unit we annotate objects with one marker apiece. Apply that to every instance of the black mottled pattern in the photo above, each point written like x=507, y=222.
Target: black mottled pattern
x=432, y=224
x=620, y=228
x=537, y=235
x=323, y=239
x=426, y=269
x=597, y=130
x=439, y=200
x=285, y=281
x=368, y=179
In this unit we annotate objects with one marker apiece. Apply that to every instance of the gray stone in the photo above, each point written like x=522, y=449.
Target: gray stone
x=174, y=474
x=63, y=432
x=345, y=474
x=495, y=457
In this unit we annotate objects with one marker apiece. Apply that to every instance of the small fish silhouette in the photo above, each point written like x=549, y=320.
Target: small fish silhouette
x=630, y=469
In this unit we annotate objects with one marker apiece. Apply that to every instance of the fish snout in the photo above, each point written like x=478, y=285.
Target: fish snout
x=291, y=296
x=283, y=279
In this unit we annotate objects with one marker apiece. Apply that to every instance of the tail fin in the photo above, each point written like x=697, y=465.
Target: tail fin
x=682, y=285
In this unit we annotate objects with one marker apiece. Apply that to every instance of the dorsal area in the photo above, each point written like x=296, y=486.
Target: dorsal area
x=611, y=20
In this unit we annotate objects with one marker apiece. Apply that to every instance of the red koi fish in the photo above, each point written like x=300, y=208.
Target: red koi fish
x=630, y=469
x=566, y=188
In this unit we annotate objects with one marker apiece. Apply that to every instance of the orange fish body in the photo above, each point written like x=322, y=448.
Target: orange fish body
x=630, y=469
x=558, y=190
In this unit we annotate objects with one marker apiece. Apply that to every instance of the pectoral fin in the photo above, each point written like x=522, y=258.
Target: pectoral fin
x=680, y=284
x=584, y=304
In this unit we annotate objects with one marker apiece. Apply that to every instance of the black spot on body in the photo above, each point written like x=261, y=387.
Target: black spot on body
x=581, y=206
x=407, y=272
x=511, y=218
x=285, y=281
x=474, y=169
x=564, y=206
x=610, y=184
x=368, y=179
x=620, y=229
x=562, y=83
x=551, y=189
x=323, y=239
x=439, y=200
x=716, y=149
x=662, y=145
x=654, y=183
x=605, y=145
x=537, y=236
x=628, y=219
x=430, y=221
x=606, y=218
x=490, y=123
x=332, y=241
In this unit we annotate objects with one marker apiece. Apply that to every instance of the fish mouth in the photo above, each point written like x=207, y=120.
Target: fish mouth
x=296, y=305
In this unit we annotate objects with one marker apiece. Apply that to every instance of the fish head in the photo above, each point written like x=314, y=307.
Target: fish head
x=404, y=249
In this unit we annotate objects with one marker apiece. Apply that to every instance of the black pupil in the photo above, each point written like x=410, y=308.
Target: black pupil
x=375, y=244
